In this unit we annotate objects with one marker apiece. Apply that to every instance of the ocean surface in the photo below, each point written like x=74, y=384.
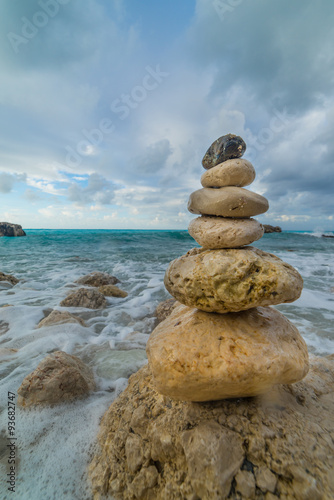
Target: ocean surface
x=54, y=445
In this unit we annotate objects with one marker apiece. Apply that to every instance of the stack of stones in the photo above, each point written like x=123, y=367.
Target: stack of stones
x=223, y=340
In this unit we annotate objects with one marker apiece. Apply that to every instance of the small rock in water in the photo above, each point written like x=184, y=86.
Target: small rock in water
x=59, y=318
x=226, y=147
x=9, y=278
x=97, y=279
x=85, y=297
x=112, y=291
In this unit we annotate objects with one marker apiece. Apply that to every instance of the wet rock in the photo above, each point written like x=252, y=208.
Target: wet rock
x=198, y=356
x=229, y=201
x=224, y=232
x=272, y=229
x=9, y=278
x=60, y=317
x=58, y=378
x=236, y=172
x=9, y=229
x=112, y=291
x=226, y=147
x=85, y=297
x=97, y=279
x=231, y=280
x=190, y=443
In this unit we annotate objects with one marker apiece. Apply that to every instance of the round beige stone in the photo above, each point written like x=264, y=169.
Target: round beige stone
x=223, y=232
x=230, y=280
x=236, y=172
x=229, y=201
x=198, y=356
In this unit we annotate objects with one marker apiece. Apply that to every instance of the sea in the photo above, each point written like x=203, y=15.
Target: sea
x=54, y=445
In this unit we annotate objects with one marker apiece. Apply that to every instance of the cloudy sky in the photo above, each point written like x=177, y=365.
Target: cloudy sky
x=108, y=106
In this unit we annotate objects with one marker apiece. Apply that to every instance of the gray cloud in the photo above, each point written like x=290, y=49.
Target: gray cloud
x=154, y=157
x=7, y=181
x=99, y=190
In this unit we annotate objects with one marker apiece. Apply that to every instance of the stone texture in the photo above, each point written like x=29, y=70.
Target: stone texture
x=226, y=147
x=272, y=229
x=232, y=280
x=223, y=232
x=58, y=378
x=229, y=201
x=9, y=229
x=112, y=291
x=164, y=309
x=97, y=279
x=85, y=297
x=290, y=435
x=59, y=318
x=8, y=277
x=236, y=172
x=199, y=356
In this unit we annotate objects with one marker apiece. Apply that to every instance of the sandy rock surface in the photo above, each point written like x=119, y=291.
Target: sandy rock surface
x=97, y=279
x=59, y=318
x=155, y=448
x=112, y=291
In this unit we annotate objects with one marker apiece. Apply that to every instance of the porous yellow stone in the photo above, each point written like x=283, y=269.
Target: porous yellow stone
x=236, y=172
x=198, y=356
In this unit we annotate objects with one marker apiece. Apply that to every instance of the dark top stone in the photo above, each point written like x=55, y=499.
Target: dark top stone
x=8, y=229
x=226, y=147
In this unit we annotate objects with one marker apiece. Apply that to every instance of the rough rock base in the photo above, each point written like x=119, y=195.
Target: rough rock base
x=254, y=448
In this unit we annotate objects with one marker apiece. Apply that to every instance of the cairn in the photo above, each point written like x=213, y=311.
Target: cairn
x=224, y=340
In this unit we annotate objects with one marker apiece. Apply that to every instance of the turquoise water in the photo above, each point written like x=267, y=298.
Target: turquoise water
x=57, y=442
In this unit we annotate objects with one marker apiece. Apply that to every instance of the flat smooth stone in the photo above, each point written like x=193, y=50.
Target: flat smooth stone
x=223, y=232
x=198, y=356
x=229, y=201
x=231, y=280
x=236, y=172
x=226, y=147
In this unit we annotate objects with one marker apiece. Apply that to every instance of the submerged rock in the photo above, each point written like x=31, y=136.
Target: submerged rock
x=97, y=279
x=9, y=229
x=112, y=291
x=226, y=147
x=58, y=378
x=85, y=297
x=9, y=278
x=59, y=318
x=199, y=356
x=152, y=447
x=231, y=280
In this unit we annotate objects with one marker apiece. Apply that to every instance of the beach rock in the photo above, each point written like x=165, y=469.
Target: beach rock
x=236, y=172
x=272, y=229
x=112, y=291
x=199, y=356
x=231, y=280
x=58, y=378
x=8, y=229
x=223, y=449
x=164, y=309
x=97, y=279
x=229, y=201
x=59, y=318
x=226, y=147
x=85, y=297
x=224, y=232
x=9, y=278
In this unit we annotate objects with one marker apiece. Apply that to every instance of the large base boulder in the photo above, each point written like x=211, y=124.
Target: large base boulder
x=155, y=448
x=199, y=356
